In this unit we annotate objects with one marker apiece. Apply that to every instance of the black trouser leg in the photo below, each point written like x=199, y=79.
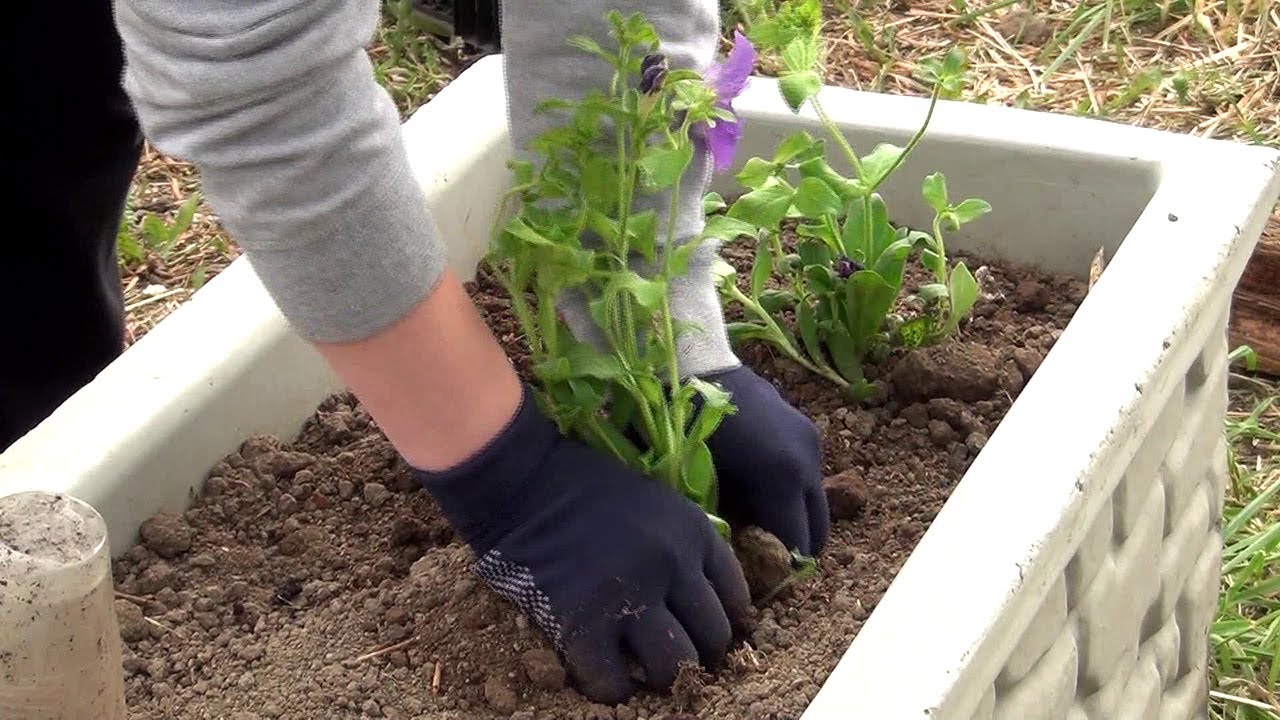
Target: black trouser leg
x=70, y=174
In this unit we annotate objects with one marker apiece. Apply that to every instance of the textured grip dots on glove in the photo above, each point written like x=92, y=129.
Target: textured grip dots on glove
x=516, y=583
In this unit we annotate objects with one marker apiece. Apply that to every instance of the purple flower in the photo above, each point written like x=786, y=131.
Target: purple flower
x=728, y=79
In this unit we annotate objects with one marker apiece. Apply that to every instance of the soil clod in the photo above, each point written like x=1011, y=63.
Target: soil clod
x=167, y=535
x=499, y=695
x=543, y=669
x=766, y=562
x=960, y=370
x=846, y=495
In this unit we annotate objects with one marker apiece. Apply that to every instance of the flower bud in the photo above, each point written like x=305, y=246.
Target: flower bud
x=651, y=79
x=846, y=267
x=653, y=70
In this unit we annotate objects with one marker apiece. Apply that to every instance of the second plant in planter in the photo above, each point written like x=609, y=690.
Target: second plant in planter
x=842, y=280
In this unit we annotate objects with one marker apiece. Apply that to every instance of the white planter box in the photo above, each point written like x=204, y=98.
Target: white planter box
x=1073, y=573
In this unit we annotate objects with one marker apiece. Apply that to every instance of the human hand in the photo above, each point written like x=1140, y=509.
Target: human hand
x=601, y=558
x=769, y=464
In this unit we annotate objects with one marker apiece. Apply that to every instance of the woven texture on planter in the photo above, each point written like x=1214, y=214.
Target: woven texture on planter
x=1124, y=631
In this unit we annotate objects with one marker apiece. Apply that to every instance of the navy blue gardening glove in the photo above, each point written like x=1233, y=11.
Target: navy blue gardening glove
x=603, y=559
x=769, y=464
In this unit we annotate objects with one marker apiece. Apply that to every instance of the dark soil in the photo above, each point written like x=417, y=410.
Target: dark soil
x=314, y=579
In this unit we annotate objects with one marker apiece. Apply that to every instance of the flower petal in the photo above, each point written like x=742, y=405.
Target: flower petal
x=722, y=142
x=731, y=77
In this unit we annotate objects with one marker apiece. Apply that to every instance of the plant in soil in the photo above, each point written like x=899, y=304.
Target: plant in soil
x=844, y=281
x=576, y=229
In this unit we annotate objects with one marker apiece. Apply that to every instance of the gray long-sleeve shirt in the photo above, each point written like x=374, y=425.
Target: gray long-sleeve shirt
x=299, y=149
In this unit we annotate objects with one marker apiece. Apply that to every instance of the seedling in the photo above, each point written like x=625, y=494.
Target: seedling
x=576, y=230
x=846, y=275
x=152, y=234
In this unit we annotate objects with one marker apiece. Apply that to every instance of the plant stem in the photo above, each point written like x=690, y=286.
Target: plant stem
x=780, y=339
x=668, y=328
x=840, y=139
x=938, y=247
x=915, y=139
x=852, y=156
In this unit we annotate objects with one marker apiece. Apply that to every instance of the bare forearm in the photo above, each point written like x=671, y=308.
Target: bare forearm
x=436, y=381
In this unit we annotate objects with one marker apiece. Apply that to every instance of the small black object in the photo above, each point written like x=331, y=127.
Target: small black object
x=1173, y=218
x=288, y=590
x=479, y=22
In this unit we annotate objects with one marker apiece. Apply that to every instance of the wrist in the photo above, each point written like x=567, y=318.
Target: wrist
x=482, y=495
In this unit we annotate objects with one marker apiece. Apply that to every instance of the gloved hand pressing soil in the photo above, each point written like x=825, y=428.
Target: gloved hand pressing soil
x=768, y=462
x=605, y=561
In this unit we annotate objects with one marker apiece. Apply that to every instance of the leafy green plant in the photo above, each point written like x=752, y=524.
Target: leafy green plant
x=575, y=229
x=152, y=234
x=845, y=277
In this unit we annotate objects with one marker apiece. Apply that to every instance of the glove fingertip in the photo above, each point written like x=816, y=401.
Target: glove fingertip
x=819, y=520
x=599, y=671
x=724, y=572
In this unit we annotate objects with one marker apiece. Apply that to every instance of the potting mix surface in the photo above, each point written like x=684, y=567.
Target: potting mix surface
x=314, y=579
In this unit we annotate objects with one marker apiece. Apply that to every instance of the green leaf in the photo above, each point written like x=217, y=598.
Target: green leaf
x=868, y=299
x=877, y=165
x=764, y=207
x=970, y=210
x=820, y=278
x=741, y=332
x=892, y=262
x=801, y=55
x=912, y=333
x=932, y=261
x=647, y=292
x=661, y=167
x=522, y=171
x=934, y=190
x=585, y=394
x=768, y=35
x=579, y=361
x=818, y=168
x=964, y=293
x=651, y=389
x=857, y=243
x=760, y=270
x=712, y=202
x=808, y=326
x=586, y=44
x=821, y=231
x=798, y=147
x=723, y=227
x=776, y=301
x=932, y=291
x=814, y=253
x=699, y=474
x=600, y=182
x=518, y=228
x=642, y=233
x=716, y=404
x=721, y=527
x=756, y=173
x=845, y=356
x=797, y=87
x=816, y=199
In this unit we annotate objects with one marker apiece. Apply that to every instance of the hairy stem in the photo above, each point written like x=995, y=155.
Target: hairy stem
x=915, y=139
x=839, y=137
